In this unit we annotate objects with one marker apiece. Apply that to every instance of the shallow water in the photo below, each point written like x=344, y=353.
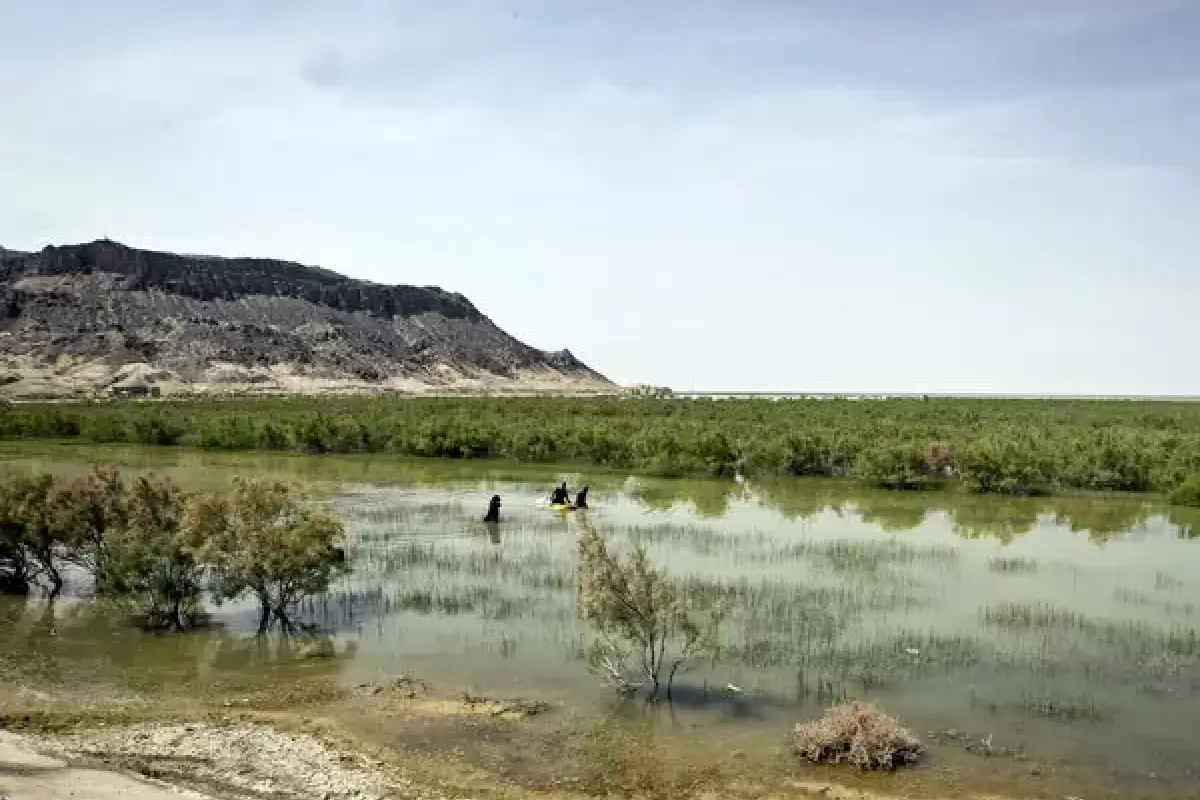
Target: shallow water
x=1064, y=628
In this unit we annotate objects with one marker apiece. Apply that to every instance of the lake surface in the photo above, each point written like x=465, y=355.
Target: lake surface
x=1061, y=628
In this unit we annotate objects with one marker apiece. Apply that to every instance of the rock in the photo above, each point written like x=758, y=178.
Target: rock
x=80, y=318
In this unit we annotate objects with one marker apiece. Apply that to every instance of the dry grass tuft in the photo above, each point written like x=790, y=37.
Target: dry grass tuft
x=859, y=734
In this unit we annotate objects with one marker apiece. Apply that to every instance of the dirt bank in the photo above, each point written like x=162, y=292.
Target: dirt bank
x=228, y=761
x=80, y=738
x=26, y=774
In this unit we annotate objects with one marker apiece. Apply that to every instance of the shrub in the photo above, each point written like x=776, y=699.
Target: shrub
x=634, y=606
x=1007, y=463
x=1006, y=446
x=1187, y=493
x=857, y=733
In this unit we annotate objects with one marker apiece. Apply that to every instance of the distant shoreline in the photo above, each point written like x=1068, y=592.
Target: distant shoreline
x=1179, y=398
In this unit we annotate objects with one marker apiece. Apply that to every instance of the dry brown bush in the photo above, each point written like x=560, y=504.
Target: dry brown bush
x=860, y=734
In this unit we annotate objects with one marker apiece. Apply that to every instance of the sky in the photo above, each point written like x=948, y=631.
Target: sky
x=799, y=195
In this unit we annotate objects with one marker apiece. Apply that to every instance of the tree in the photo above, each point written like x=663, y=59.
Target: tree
x=30, y=541
x=635, y=607
x=152, y=558
x=86, y=511
x=260, y=540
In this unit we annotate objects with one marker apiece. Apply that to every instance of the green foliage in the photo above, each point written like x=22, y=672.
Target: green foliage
x=1188, y=492
x=260, y=541
x=30, y=539
x=895, y=465
x=151, y=560
x=635, y=607
x=1007, y=462
x=1022, y=447
x=149, y=545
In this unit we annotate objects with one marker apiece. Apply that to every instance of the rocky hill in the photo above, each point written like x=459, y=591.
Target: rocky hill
x=102, y=317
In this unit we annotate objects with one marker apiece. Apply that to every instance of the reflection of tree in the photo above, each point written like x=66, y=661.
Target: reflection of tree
x=801, y=498
x=710, y=497
x=1186, y=521
x=894, y=512
x=993, y=517
x=1101, y=518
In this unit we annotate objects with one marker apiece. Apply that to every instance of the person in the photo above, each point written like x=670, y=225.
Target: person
x=560, y=496
x=493, y=512
x=581, y=498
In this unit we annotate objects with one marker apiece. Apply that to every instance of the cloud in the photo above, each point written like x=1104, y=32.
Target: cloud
x=828, y=195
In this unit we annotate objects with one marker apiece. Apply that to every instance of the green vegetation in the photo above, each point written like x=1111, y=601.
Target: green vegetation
x=147, y=556
x=150, y=545
x=635, y=607
x=259, y=541
x=1187, y=493
x=1020, y=447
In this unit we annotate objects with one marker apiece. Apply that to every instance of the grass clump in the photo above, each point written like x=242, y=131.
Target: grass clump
x=860, y=734
x=1065, y=709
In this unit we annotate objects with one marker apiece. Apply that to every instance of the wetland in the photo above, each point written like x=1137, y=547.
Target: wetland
x=1042, y=646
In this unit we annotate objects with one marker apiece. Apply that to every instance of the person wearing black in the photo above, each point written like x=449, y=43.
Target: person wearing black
x=560, y=497
x=581, y=498
x=493, y=512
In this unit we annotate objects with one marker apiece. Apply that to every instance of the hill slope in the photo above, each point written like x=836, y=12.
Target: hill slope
x=91, y=318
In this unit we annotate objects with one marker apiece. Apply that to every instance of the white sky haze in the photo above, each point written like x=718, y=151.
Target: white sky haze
x=825, y=195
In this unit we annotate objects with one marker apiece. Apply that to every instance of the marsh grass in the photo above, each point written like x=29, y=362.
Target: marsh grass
x=843, y=556
x=1064, y=709
x=1165, y=582
x=1133, y=597
x=536, y=569
x=1012, y=564
x=1100, y=649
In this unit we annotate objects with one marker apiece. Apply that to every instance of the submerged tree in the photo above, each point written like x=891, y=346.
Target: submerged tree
x=640, y=615
x=259, y=540
x=151, y=559
x=30, y=540
x=87, y=510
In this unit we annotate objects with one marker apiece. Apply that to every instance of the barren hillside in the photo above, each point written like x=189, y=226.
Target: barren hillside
x=102, y=317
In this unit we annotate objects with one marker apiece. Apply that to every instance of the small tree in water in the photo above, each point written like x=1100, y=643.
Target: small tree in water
x=152, y=558
x=640, y=616
x=259, y=540
x=30, y=538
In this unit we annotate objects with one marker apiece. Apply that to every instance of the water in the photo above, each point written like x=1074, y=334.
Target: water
x=1064, y=629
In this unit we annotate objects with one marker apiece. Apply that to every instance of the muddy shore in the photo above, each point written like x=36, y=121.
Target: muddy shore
x=403, y=739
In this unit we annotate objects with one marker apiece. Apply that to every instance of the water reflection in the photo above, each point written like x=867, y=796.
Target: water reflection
x=1100, y=518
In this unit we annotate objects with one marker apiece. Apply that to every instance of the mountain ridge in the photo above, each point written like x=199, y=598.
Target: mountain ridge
x=81, y=319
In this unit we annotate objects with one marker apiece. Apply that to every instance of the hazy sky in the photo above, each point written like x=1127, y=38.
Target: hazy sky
x=837, y=195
